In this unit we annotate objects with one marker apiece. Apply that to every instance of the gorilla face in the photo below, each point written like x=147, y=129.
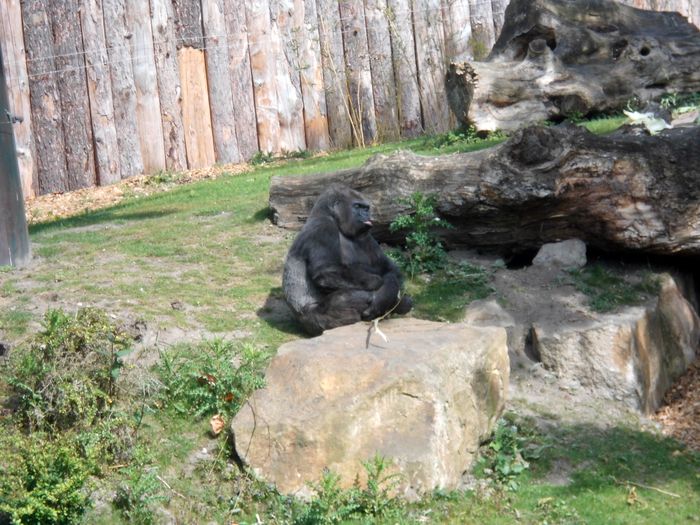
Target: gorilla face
x=352, y=215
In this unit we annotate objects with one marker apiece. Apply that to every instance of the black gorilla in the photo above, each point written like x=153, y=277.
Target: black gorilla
x=336, y=273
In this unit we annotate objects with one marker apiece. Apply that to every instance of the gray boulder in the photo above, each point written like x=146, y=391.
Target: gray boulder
x=424, y=399
x=566, y=254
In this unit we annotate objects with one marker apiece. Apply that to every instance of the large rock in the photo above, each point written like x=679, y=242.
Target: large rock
x=633, y=356
x=424, y=400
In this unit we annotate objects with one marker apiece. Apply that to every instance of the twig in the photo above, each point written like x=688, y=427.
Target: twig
x=169, y=487
x=648, y=487
x=375, y=323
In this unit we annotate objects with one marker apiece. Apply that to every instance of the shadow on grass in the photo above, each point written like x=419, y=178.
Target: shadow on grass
x=113, y=214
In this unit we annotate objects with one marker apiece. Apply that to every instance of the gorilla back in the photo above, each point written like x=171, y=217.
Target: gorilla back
x=335, y=272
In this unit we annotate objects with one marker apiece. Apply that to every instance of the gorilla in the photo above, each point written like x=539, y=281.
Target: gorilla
x=335, y=272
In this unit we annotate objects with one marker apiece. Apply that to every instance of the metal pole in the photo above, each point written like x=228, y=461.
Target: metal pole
x=14, y=238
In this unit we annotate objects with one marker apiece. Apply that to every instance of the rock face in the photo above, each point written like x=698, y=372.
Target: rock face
x=633, y=356
x=424, y=400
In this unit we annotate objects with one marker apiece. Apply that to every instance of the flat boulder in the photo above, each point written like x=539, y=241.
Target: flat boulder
x=424, y=399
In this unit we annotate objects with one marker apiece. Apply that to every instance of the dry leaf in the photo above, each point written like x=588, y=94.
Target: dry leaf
x=217, y=424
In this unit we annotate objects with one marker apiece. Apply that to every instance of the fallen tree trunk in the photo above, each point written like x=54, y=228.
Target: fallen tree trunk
x=557, y=58
x=623, y=191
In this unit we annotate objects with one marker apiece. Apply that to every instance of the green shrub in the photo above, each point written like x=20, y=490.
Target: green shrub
x=42, y=482
x=214, y=378
x=66, y=377
x=137, y=494
x=424, y=252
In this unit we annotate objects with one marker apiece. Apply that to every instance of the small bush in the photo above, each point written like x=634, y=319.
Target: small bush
x=67, y=376
x=137, y=494
x=424, y=252
x=213, y=378
x=42, y=482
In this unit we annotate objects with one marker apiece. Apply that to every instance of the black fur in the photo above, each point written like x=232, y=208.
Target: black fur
x=336, y=273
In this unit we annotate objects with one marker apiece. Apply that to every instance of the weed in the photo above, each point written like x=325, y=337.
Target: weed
x=138, y=493
x=460, y=137
x=268, y=157
x=214, y=378
x=607, y=291
x=424, y=251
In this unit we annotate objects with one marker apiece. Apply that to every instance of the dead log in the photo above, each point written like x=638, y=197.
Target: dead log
x=623, y=191
x=556, y=58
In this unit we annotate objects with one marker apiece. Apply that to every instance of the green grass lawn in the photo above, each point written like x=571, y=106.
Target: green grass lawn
x=205, y=258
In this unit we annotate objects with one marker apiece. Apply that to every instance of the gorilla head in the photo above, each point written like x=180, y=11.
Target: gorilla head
x=336, y=273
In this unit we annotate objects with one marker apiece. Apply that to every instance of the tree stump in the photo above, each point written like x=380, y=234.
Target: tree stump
x=557, y=58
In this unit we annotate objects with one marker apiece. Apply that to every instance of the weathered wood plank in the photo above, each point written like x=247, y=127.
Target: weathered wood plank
x=286, y=41
x=150, y=127
x=45, y=98
x=383, y=81
x=220, y=93
x=169, y=89
x=123, y=88
x=17, y=84
x=483, y=34
x=498, y=11
x=262, y=63
x=311, y=76
x=188, y=23
x=458, y=30
x=430, y=56
x=100, y=93
x=405, y=67
x=334, y=78
x=241, y=79
x=196, y=116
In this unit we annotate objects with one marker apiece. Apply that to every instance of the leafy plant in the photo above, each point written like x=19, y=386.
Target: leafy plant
x=138, y=493
x=214, y=378
x=424, y=251
x=608, y=291
x=67, y=376
x=41, y=481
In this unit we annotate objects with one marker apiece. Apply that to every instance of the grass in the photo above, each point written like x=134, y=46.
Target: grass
x=608, y=289
x=204, y=258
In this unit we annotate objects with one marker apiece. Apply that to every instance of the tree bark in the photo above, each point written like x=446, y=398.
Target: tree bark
x=123, y=88
x=169, y=85
x=220, y=93
x=17, y=83
x=100, y=93
x=45, y=99
x=403, y=55
x=241, y=79
x=625, y=191
x=188, y=24
x=556, y=59
x=334, y=78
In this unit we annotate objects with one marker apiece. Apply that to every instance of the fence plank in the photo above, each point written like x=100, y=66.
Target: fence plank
x=72, y=88
x=290, y=108
x=138, y=20
x=45, y=98
x=352, y=15
x=383, y=82
x=333, y=61
x=123, y=88
x=483, y=35
x=498, y=10
x=405, y=68
x=17, y=83
x=241, y=79
x=99, y=93
x=220, y=94
x=430, y=56
x=262, y=63
x=196, y=116
x=458, y=30
x=188, y=23
x=169, y=88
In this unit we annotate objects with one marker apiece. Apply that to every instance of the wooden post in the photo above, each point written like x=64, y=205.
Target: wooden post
x=17, y=83
x=14, y=239
x=458, y=30
x=483, y=34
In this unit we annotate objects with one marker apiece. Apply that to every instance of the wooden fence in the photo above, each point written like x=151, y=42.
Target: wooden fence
x=106, y=89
